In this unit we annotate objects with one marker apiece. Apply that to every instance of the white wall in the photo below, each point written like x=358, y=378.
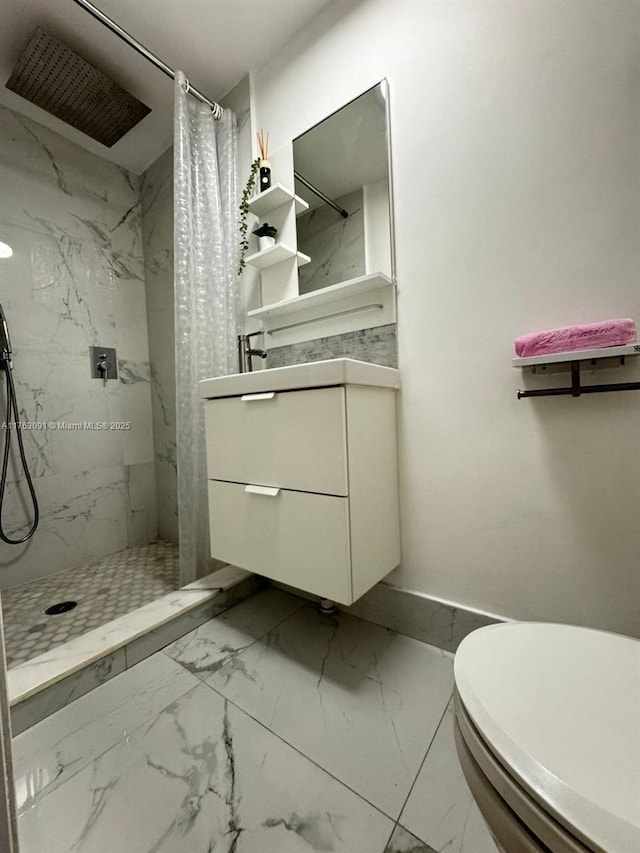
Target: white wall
x=516, y=147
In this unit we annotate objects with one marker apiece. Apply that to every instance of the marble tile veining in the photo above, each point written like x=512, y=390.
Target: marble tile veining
x=157, y=232
x=76, y=279
x=140, y=497
x=404, y=842
x=63, y=692
x=214, y=600
x=205, y=650
x=65, y=743
x=349, y=679
x=84, y=520
x=104, y=589
x=202, y=776
x=157, y=759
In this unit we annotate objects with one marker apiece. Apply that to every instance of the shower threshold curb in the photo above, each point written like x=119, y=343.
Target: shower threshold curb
x=44, y=684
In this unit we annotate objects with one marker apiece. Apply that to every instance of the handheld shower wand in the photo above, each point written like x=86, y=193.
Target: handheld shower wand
x=5, y=341
x=6, y=364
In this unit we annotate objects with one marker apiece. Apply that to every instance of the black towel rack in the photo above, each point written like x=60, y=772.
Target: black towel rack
x=575, y=361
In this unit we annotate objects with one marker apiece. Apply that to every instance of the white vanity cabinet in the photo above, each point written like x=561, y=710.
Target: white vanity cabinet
x=302, y=469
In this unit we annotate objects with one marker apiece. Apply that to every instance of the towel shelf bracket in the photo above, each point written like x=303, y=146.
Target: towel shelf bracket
x=576, y=389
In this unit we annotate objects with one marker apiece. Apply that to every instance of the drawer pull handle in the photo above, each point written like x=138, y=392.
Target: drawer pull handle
x=247, y=398
x=262, y=490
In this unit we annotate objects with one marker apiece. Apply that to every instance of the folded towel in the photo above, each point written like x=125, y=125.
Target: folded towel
x=608, y=333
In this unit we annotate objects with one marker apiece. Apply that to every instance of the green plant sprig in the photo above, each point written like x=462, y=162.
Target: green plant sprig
x=244, y=212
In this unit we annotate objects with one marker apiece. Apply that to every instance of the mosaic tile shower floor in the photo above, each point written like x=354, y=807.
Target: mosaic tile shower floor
x=104, y=590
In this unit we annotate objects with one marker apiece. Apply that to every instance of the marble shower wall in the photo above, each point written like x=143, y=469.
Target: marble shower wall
x=156, y=198
x=76, y=279
x=335, y=245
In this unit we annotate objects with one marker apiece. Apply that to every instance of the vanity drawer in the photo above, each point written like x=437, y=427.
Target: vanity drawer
x=292, y=439
x=293, y=537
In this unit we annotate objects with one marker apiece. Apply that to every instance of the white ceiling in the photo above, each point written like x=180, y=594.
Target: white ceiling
x=215, y=42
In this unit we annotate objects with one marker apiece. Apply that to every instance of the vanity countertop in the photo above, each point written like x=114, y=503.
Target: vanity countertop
x=316, y=374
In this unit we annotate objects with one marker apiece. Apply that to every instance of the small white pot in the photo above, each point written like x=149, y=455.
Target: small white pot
x=265, y=242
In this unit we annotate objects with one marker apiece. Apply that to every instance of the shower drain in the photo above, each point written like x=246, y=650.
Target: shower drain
x=61, y=607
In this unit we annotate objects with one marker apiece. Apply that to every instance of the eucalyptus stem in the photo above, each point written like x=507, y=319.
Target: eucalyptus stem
x=244, y=211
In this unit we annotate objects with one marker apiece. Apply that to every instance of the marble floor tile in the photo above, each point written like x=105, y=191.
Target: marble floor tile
x=54, y=750
x=361, y=701
x=441, y=809
x=403, y=842
x=206, y=649
x=214, y=601
x=203, y=777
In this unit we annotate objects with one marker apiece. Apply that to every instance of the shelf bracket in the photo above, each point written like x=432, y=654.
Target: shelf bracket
x=577, y=389
x=575, y=378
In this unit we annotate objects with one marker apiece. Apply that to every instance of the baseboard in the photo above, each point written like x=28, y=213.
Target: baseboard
x=440, y=623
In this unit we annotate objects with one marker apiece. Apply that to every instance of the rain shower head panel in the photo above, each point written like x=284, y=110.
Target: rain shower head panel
x=55, y=78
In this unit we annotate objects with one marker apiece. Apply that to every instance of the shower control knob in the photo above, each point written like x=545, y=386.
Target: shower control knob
x=102, y=364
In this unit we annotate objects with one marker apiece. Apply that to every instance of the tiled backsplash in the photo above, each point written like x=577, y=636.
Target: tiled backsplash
x=378, y=346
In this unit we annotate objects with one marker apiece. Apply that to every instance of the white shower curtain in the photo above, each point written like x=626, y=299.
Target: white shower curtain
x=206, y=243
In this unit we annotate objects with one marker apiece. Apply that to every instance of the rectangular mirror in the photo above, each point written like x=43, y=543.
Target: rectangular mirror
x=342, y=169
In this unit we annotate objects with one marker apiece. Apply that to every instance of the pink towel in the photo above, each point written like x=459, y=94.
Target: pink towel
x=608, y=333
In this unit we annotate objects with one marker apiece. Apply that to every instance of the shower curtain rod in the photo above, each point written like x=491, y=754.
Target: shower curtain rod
x=325, y=198
x=144, y=51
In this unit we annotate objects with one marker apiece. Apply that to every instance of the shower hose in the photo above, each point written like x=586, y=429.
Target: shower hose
x=12, y=409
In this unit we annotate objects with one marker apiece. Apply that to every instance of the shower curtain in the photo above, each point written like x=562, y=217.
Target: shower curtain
x=206, y=298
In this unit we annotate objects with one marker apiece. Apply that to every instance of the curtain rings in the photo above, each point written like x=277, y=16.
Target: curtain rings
x=216, y=109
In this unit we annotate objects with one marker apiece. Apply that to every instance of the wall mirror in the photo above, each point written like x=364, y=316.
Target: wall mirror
x=342, y=169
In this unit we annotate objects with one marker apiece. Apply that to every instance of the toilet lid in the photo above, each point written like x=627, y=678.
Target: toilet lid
x=559, y=706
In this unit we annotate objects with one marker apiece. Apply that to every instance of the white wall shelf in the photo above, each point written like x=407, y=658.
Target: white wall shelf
x=275, y=255
x=360, y=303
x=273, y=198
x=574, y=361
x=577, y=355
x=326, y=296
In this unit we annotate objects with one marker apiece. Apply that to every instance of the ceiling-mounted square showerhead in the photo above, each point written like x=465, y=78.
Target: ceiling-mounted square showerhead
x=55, y=78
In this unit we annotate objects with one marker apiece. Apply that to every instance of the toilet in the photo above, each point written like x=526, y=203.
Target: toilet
x=547, y=728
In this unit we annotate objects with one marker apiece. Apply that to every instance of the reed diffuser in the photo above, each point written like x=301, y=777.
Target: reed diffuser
x=265, y=165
